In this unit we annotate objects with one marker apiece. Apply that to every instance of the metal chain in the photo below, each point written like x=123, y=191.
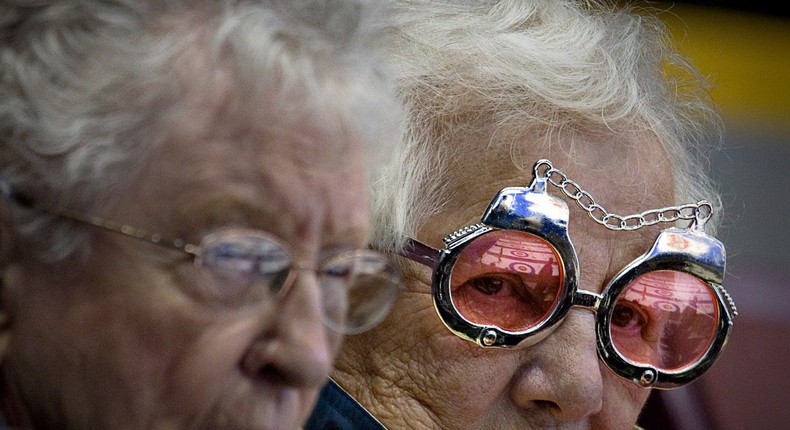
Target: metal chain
x=701, y=211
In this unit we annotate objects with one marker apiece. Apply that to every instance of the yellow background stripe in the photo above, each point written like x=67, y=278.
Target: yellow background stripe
x=747, y=57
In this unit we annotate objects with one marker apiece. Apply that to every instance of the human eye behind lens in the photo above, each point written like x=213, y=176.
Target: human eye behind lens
x=524, y=287
x=239, y=260
x=629, y=317
x=338, y=271
x=492, y=284
x=634, y=320
x=635, y=334
x=506, y=299
x=357, y=266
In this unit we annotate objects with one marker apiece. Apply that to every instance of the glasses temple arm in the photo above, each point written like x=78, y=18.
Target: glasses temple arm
x=421, y=253
x=28, y=202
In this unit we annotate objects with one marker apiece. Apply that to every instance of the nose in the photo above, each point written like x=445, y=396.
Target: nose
x=562, y=376
x=297, y=349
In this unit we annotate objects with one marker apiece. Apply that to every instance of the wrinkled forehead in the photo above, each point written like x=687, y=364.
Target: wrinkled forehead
x=283, y=115
x=219, y=164
x=627, y=174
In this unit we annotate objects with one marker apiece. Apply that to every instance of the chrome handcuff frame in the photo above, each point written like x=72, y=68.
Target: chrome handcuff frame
x=532, y=210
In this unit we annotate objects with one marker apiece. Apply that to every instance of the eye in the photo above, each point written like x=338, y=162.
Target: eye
x=341, y=271
x=358, y=288
x=238, y=259
x=501, y=299
x=664, y=318
x=628, y=317
x=506, y=278
x=488, y=285
x=507, y=289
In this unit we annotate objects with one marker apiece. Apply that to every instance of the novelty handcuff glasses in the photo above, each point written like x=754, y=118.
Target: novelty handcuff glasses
x=509, y=280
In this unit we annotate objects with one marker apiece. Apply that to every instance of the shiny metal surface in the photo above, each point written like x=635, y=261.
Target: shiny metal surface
x=532, y=210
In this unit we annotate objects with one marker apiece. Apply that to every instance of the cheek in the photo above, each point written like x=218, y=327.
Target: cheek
x=211, y=360
x=107, y=344
x=335, y=341
x=622, y=402
x=467, y=385
x=146, y=344
x=193, y=363
x=452, y=377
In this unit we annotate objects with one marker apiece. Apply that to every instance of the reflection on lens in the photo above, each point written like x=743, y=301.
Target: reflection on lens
x=666, y=319
x=358, y=290
x=509, y=279
x=237, y=259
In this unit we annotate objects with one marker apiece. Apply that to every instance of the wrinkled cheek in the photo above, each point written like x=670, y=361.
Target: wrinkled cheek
x=622, y=403
x=211, y=357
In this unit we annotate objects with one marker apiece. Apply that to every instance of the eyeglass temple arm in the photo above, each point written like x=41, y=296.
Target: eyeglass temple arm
x=421, y=253
x=28, y=202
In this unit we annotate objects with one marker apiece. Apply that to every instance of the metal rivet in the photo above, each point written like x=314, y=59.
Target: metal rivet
x=489, y=337
x=648, y=377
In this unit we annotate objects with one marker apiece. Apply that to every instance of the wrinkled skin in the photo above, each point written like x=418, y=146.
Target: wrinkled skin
x=412, y=372
x=137, y=338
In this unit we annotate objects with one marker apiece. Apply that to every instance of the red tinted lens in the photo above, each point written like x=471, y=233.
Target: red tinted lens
x=508, y=279
x=665, y=319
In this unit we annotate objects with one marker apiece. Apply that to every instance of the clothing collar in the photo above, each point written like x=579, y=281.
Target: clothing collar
x=337, y=410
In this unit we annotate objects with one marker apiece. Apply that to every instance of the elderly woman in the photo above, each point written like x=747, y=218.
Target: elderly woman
x=184, y=213
x=555, y=221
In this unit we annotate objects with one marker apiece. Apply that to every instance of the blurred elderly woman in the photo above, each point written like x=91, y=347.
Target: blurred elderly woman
x=184, y=221
x=553, y=211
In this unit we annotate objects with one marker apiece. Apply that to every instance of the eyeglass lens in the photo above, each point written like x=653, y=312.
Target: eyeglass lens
x=244, y=258
x=512, y=280
x=357, y=287
x=666, y=319
x=509, y=279
x=358, y=290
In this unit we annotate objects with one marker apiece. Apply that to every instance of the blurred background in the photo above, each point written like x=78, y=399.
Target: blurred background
x=744, y=47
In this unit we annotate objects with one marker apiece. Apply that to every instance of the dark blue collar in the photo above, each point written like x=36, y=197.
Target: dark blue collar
x=337, y=410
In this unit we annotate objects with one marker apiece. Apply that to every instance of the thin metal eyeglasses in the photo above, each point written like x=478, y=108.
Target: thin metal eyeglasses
x=510, y=280
x=358, y=287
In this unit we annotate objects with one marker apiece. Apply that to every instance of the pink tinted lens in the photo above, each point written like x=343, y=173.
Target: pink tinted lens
x=665, y=319
x=507, y=279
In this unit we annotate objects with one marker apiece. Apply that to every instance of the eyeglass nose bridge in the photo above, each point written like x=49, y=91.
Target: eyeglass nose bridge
x=290, y=279
x=587, y=300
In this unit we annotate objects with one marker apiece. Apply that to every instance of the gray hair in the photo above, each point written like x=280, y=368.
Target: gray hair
x=480, y=74
x=85, y=85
